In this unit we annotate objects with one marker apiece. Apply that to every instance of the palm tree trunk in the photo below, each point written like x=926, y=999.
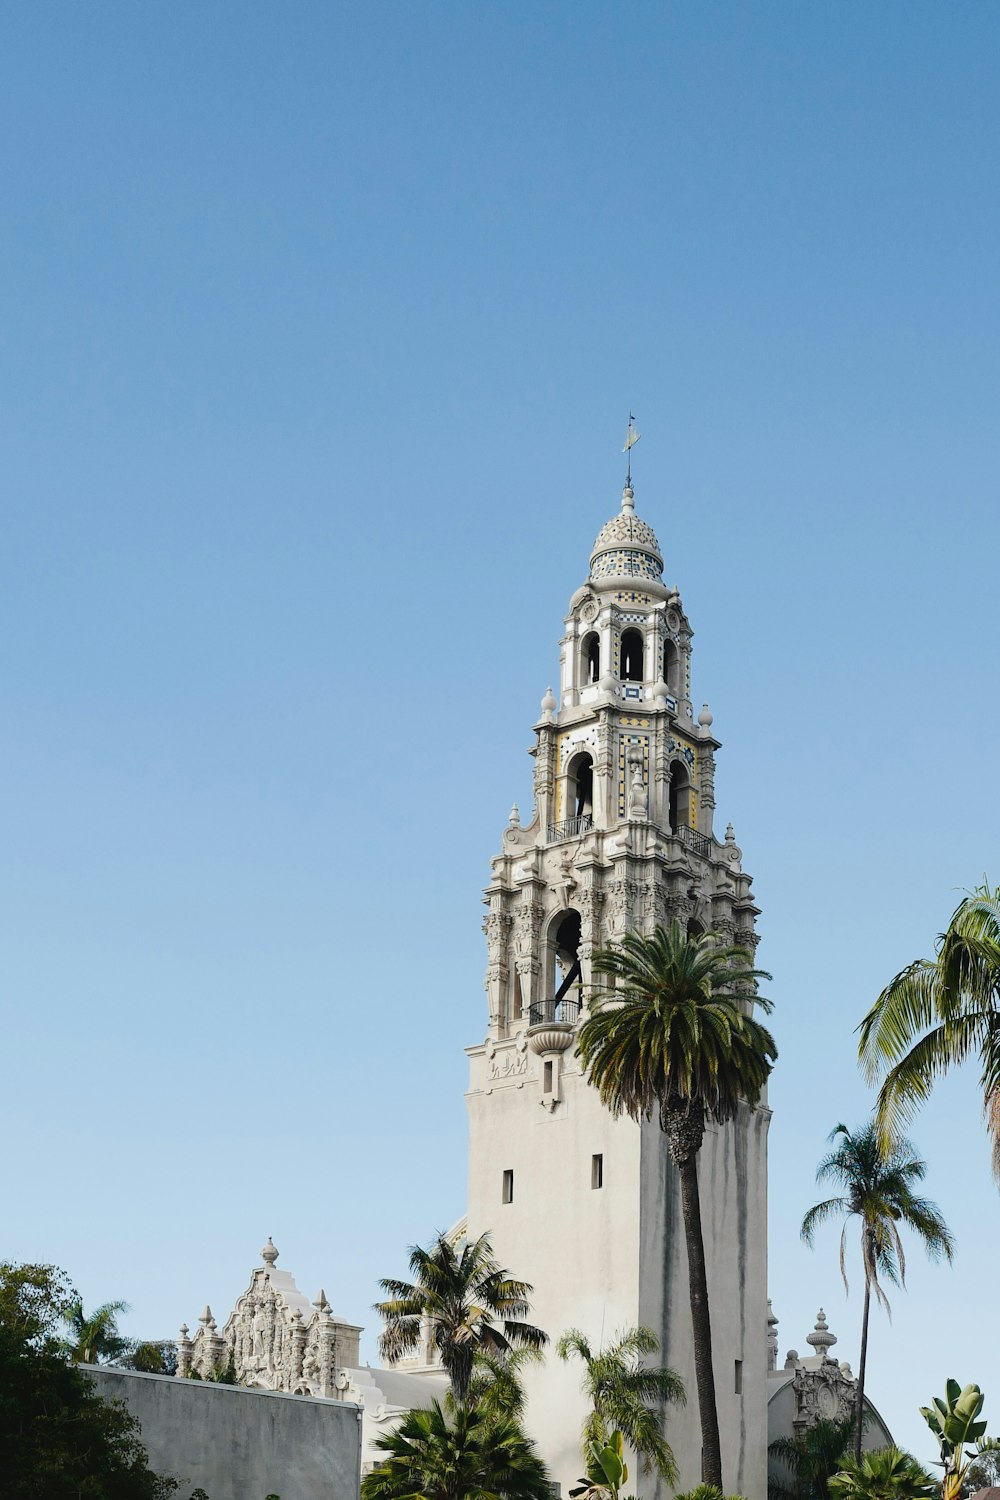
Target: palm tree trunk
x=859, y=1413
x=711, y=1445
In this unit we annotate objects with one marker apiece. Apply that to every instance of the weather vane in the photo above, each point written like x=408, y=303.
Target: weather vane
x=631, y=438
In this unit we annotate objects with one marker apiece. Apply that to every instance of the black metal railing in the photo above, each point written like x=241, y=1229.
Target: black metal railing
x=570, y=828
x=554, y=1013
x=699, y=842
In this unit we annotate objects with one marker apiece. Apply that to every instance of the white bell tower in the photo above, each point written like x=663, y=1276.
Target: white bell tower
x=585, y=1207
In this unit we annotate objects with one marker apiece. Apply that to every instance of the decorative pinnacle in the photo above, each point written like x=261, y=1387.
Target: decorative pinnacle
x=269, y=1254
x=821, y=1338
x=515, y=817
x=628, y=501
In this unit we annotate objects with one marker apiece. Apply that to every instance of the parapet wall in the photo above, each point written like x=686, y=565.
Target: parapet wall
x=240, y=1444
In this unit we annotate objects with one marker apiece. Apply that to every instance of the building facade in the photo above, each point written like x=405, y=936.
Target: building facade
x=622, y=837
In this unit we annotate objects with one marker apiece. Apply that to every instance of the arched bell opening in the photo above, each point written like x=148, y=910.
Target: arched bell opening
x=580, y=788
x=632, y=652
x=590, y=659
x=680, y=796
x=563, y=973
x=695, y=928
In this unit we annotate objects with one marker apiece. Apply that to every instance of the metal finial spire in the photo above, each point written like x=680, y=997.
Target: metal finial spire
x=631, y=438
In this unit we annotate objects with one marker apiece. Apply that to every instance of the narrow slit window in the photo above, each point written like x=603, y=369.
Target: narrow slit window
x=508, y=1186
x=738, y=1378
x=597, y=1171
x=547, y=1078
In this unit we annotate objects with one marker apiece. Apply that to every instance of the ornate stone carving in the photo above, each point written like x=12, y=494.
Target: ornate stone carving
x=508, y=1061
x=638, y=805
x=826, y=1394
x=706, y=778
x=622, y=894
x=272, y=1338
x=527, y=919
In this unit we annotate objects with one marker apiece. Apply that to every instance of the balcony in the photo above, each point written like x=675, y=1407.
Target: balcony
x=570, y=828
x=554, y=1013
x=697, y=842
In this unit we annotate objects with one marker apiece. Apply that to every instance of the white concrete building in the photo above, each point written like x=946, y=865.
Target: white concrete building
x=622, y=837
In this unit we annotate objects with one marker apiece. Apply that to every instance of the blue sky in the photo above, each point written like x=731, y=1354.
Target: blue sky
x=321, y=325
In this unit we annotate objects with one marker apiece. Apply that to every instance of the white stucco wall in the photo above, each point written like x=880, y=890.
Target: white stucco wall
x=606, y=1259
x=579, y=1247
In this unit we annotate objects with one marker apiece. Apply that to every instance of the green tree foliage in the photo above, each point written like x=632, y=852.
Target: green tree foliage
x=805, y=1463
x=984, y=1471
x=58, y=1439
x=94, y=1337
x=882, y=1474
x=152, y=1357
x=707, y=1492
x=471, y=1304
x=956, y=1423
x=627, y=1394
x=937, y=1013
x=466, y=1455
x=496, y=1387
x=676, y=1035
x=878, y=1179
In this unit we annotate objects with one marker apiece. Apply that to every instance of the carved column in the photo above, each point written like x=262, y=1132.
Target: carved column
x=496, y=927
x=527, y=920
x=589, y=901
x=605, y=807
x=325, y=1350
x=184, y=1347
x=706, y=789
x=545, y=775
x=621, y=903
x=298, y=1351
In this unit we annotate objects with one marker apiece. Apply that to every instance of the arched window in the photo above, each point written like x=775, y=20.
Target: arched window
x=694, y=928
x=565, y=986
x=680, y=796
x=632, y=665
x=580, y=788
x=672, y=668
x=590, y=659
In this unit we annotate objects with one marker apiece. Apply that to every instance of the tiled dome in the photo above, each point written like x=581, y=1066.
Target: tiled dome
x=626, y=547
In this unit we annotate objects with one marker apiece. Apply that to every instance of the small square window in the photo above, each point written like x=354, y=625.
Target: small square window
x=508, y=1186
x=597, y=1171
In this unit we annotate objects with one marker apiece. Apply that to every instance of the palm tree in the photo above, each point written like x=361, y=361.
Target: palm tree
x=707, y=1492
x=470, y=1304
x=882, y=1474
x=626, y=1394
x=94, y=1336
x=465, y=1457
x=877, y=1181
x=937, y=1013
x=809, y=1459
x=676, y=1034
x=496, y=1387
